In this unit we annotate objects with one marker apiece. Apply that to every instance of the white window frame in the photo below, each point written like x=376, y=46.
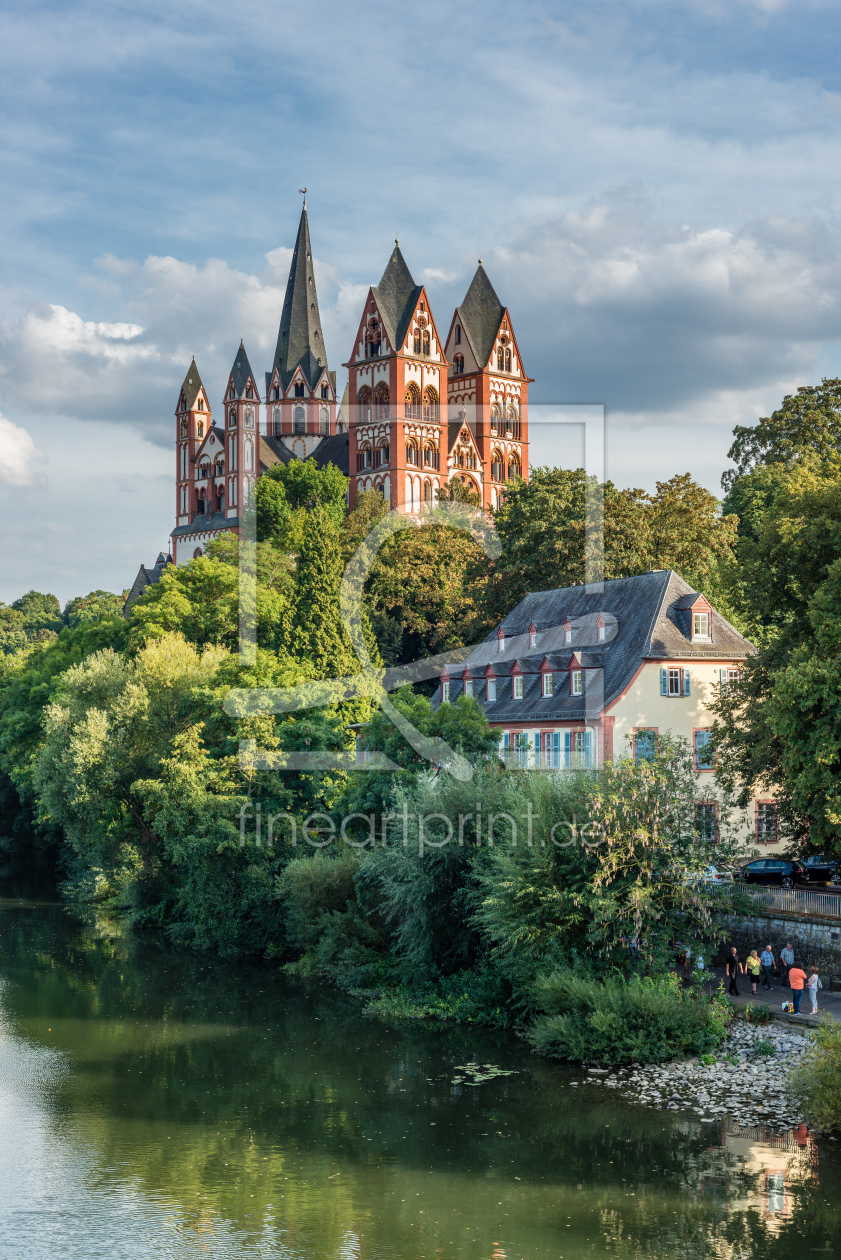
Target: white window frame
x=517, y=686
x=445, y=691
x=468, y=686
x=490, y=690
x=700, y=618
x=548, y=684
x=567, y=636
x=576, y=682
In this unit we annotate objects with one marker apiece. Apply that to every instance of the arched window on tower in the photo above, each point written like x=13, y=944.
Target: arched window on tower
x=500, y=360
x=458, y=334
x=508, y=360
x=249, y=454
x=184, y=426
x=458, y=365
x=427, y=492
x=300, y=420
x=412, y=454
x=417, y=341
x=381, y=401
x=197, y=553
x=299, y=389
x=496, y=418
x=231, y=393
x=497, y=472
x=426, y=342
x=363, y=404
x=277, y=421
x=200, y=429
x=512, y=421
x=431, y=409
x=413, y=402
x=513, y=465
x=323, y=421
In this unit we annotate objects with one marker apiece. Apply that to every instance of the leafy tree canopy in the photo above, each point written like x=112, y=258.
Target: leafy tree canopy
x=287, y=492
x=807, y=424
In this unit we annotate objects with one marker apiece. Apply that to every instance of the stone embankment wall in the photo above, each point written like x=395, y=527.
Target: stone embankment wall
x=817, y=942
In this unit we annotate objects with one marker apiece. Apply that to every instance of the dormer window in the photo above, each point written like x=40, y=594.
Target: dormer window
x=700, y=625
x=500, y=640
x=576, y=680
x=468, y=686
x=532, y=635
x=567, y=632
x=445, y=691
x=548, y=684
x=600, y=633
x=517, y=687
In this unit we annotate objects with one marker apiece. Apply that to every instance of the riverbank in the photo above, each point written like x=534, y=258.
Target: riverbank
x=747, y=1081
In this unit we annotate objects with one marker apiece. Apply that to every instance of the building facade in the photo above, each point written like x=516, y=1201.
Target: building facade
x=573, y=677
x=417, y=411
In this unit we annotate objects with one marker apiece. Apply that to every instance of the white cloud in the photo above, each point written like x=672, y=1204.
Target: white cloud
x=21, y=463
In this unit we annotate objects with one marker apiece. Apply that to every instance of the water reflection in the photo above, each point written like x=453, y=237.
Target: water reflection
x=158, y=1104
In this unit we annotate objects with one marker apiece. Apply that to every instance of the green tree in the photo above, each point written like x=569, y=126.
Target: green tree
x=92, y=607
x=807, y=424
x=288, y=492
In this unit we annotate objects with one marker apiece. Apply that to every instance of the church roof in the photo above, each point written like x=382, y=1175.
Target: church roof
x=481, y=314
x=397, y=296
x=300, y=341
x=330, y=450
x=192, y=384
x=241, y=371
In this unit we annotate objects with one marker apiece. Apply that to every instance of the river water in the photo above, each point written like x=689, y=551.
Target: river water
x=162, y=1105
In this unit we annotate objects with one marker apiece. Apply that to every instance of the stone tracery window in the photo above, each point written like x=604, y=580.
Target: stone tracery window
x=299, y=420
x=458, y=365
x=413, y=402
x=363, y=403
x=431, y=408
x=496, y=418
x=381, y=401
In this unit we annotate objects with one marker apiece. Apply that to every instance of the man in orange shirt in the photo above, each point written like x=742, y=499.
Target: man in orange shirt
x=796, y=979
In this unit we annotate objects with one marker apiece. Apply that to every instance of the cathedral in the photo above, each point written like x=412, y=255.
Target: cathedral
x=418, y=410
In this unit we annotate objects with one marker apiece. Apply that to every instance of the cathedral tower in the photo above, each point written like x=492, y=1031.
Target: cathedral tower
x=487, y=392
x=300, y=391
x=397, y=376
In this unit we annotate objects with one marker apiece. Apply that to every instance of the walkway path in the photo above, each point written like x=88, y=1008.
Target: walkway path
x=829, y=1003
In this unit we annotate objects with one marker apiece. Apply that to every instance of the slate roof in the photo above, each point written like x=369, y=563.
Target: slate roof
x=330, y=450
x=146, y=578
x=192, y=385
x=201, y=523
x=645, y=617
x=481, y=314
x=397, y=296
x=241, y=371
x=300, y=341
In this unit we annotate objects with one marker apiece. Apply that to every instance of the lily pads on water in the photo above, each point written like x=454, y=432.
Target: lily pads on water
x=475, y=1073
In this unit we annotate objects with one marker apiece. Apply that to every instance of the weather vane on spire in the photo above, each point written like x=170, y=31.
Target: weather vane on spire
x=303, y=193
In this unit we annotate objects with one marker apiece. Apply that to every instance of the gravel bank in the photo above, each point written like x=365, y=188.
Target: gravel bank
x=746, y=1083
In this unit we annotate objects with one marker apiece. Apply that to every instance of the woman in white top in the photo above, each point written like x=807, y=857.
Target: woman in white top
x=813, y=984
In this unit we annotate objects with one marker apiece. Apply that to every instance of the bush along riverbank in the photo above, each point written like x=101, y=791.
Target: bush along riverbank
x=754, y=1078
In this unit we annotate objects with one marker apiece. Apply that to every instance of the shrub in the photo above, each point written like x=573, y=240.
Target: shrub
x=759, y=1014
x=764, y=1047
x=642, y=1020
x=816, y=1083
x=312, y=889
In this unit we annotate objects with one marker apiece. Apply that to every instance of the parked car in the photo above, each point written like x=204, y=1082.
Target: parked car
x=717, y=875
x=820, y=868
x=773, y=871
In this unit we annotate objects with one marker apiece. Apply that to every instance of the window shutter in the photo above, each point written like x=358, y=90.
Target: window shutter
x=686, y=686
x=664, y=682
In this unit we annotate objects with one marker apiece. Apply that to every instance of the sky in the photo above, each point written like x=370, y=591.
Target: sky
x=653, y=186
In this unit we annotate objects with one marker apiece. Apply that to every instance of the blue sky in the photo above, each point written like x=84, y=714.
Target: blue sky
x=654, y=187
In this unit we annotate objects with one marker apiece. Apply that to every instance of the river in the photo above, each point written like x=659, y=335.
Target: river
x=157, y=1104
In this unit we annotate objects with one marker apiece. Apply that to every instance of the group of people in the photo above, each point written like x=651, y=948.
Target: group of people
x=760, y=967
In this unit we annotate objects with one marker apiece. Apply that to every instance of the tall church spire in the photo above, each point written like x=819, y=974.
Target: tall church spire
x=300, y=342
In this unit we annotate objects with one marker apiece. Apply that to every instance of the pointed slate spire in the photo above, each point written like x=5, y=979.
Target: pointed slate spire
x=481, y=314
x=241, y=371
x=300, y=341
x=192, y=384
x=397, y=296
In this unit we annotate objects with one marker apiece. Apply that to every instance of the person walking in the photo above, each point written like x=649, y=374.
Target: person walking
x=813, y=984
x=787, y=959
x=769, y=962
x=796, y=980
x=753, y=967
x=733, y=969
